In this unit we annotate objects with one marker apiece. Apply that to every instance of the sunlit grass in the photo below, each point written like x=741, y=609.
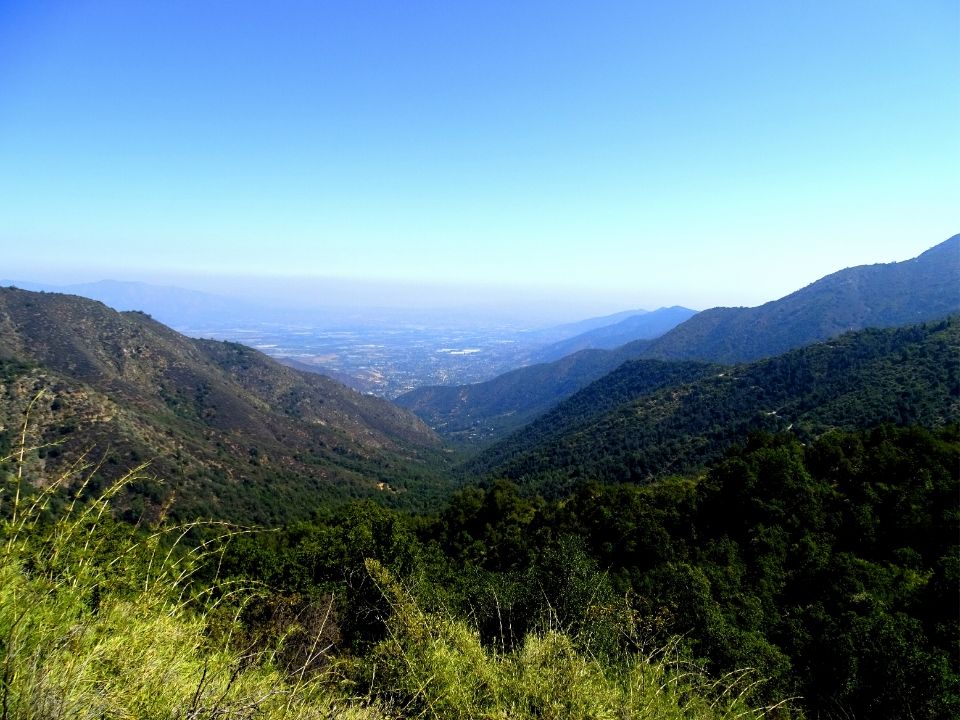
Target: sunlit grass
x=435, y=666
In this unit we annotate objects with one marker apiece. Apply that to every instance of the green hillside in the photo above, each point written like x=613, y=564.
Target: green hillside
x=824, y=572
x=904, y=375
x=477, y=414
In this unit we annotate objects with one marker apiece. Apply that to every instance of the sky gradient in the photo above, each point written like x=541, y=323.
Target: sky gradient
x=638, y=153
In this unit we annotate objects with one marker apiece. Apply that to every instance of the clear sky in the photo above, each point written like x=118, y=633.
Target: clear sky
x=645, y=153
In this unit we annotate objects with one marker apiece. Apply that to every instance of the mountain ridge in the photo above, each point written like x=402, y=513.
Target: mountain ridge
x=905, y=375
x=647, y=326
x=888, y=294
x=229, y=412
x=880, y=295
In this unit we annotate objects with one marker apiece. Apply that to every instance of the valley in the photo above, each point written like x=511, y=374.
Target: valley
x=381, y=351
x=385, y=361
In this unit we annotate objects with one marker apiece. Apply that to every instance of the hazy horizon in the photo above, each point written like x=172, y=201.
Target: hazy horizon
x=519, y=304
x=535, y=306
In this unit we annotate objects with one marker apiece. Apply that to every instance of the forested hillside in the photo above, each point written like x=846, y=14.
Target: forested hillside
x=903, y=375
x=825, y=572
x=475, y=414
x=228, y=432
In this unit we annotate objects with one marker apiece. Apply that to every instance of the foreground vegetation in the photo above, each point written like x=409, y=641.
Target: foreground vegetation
x=830, y=569
x=790, y=580
x=102, y=619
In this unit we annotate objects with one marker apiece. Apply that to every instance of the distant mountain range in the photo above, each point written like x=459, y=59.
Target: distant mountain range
x=232, y=433
x=625, y=428
x=556, y=333
x=174, y=306
x=924, y=288
x=607, y=337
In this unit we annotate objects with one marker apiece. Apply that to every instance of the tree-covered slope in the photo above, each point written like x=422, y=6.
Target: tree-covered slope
x=822, y=571
x=917, y=290
x=233, y=433
x=904, y=375
x=106, y=620
x=478, y=413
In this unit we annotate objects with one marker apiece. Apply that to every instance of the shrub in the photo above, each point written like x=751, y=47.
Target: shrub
x=435, y=666
x=100, y=619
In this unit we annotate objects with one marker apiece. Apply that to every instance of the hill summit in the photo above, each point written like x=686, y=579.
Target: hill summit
x=926, y=287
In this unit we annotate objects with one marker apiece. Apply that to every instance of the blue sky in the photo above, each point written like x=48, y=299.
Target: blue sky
x=634, y=153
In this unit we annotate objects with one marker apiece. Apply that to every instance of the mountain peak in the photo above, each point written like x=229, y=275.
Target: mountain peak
x=882, y=295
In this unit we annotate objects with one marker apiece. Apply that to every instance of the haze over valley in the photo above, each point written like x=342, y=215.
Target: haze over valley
x=390, y=351
x=381, y=350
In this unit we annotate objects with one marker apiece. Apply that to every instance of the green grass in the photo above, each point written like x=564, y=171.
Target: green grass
x=434, y=666
x=101, y=620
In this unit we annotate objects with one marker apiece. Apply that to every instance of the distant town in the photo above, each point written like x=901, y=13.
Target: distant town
x=386, y=362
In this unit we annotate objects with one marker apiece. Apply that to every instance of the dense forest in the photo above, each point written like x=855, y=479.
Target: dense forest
x=830, y=569
x=808, y=580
